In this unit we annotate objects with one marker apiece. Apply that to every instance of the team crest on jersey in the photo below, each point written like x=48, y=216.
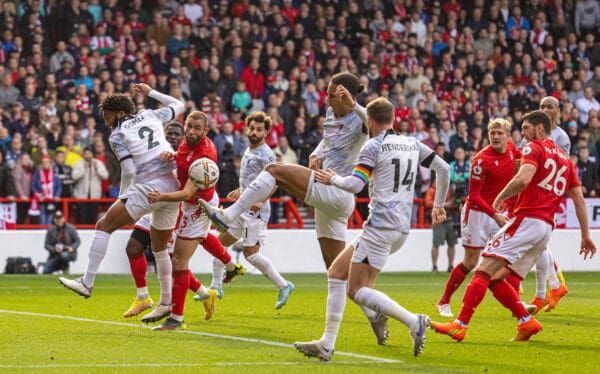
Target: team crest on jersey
x=526, y=150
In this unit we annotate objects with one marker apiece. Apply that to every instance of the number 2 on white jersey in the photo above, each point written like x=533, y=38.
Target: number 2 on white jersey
x=559, y=185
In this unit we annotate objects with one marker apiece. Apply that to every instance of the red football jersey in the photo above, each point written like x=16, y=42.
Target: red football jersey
x=186, y=155
x=490, y=173
x=554, y=176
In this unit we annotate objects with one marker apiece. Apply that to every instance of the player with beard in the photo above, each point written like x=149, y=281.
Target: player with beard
x=193, y=225
x=251, y=226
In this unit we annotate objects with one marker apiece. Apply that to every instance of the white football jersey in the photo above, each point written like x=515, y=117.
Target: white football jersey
x=561, y=139
x=342, y=141
x=253, y=162
x=142, y=138
x=394, y=161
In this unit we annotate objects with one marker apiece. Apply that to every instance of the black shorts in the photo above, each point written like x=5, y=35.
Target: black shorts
x=143, y=237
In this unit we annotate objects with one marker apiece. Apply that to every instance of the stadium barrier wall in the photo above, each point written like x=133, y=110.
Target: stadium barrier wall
x=291, y=251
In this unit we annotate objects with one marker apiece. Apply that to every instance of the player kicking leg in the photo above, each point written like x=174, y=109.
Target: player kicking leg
x=345, y=134
x=384, y=161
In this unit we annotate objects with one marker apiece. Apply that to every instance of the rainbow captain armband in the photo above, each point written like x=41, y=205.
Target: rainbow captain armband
x=362, y=172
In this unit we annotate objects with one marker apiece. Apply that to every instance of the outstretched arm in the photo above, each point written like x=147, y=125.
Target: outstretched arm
x=182, y=195
x=351, y=183
x=169, y=101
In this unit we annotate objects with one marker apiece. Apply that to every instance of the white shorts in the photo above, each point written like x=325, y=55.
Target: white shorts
x=477, y=227
x=164, y=213
x=194, y=224
x=374, y=245
x=333, y=206
x=251, y=229
x=143, y=223
x=520, y=243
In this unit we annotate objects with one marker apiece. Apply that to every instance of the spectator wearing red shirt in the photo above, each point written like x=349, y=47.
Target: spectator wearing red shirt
x=290, y=12
x=239, y=8
x=180, y=17
x=452, y=6
x=254, y=80
x=138, y=28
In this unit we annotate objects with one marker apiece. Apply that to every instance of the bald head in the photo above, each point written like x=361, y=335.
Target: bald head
x=551, y=107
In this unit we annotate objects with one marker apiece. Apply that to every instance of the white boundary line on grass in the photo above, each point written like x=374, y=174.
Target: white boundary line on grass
x=181, y=365
x=201, y=333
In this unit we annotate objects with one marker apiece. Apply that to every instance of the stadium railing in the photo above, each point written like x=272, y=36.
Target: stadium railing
x=293, y=219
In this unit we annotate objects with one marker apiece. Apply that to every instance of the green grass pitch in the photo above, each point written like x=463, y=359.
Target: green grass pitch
x=46, y=328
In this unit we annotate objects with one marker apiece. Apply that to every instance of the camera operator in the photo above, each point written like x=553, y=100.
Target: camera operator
x=61, y=243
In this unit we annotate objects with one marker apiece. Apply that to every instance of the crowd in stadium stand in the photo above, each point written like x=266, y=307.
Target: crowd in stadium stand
x=448, y=67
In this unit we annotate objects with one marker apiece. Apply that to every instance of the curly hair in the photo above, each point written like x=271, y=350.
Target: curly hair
x=117, y=103
x=349, y=81
x=260, y=117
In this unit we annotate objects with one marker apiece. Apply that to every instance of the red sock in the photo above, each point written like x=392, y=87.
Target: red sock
x=213, y=246
x=139, y=268
x=514, y=281
x=457, y=277
x=194, y=283
x=508, y=297
x=181, y=283
x=474, y=295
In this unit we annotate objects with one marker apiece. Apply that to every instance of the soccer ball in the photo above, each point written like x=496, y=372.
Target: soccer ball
x=204, y=173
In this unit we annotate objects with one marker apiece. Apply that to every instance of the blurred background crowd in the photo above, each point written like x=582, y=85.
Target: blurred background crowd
x=447, y=66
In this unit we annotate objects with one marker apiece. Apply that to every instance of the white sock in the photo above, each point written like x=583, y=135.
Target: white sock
x=164, y=270
x=336, y=303
x=541, y=271
x=230, y=266
x=258, y=190
x=266, y=267
x=177, y=317
x=217, y=275
x=142, y=292
x=370, y=313
x=97, y=253
x=552, y=274
x=382, y=303
x=203, y=291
